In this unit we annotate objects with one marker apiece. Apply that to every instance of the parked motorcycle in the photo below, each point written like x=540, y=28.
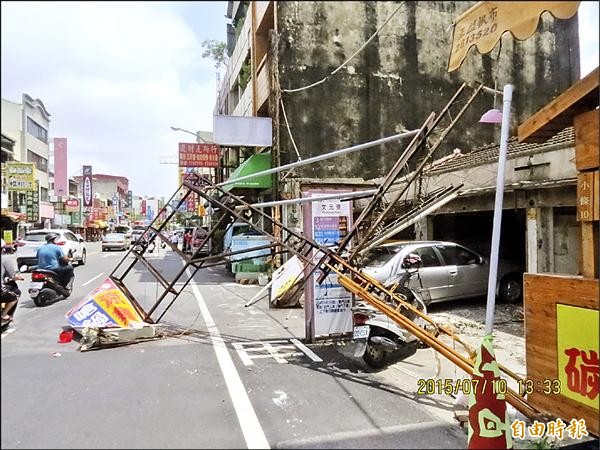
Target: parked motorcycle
x=378, y=339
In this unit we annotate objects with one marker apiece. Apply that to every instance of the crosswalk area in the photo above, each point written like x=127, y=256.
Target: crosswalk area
x=280, y=350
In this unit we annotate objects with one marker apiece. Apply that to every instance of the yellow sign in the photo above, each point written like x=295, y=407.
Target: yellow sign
x=20, y=176
x=484, y=24
x=577, y=350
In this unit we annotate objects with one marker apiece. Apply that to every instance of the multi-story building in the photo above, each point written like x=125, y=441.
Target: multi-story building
x=27, y=124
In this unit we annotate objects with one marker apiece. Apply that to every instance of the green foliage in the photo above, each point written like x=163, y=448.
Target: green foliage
x=245, y=73
x=542, y=444
x=217, y=51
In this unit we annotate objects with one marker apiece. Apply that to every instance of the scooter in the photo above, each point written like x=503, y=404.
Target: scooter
x=45, y=287
x=378, y=339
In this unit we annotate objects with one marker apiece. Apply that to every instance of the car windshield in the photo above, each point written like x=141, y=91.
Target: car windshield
x=36, y=237
x=378, y=256
x=112, y=237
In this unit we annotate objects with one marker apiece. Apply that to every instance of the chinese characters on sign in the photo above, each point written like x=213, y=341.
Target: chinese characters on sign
x=587, y=196
x=20, y=176
x=332, y=303
x=32, y=201
x=199, y=155
x=577, y=349
x=87, y=186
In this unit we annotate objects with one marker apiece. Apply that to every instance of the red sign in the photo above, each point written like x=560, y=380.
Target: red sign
x=199, y=155
x=143, y=208
x=71, y=204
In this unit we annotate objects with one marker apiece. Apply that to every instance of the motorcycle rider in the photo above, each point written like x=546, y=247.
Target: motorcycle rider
x=51, y=257
x=10, y=289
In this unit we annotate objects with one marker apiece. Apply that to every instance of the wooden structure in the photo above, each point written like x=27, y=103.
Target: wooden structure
x=561, y=311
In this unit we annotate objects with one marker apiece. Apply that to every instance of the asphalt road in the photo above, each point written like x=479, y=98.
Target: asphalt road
x=234, y=377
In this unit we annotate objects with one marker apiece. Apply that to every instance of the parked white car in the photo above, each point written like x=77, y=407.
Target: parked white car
x=34, y=239
x=449, y=271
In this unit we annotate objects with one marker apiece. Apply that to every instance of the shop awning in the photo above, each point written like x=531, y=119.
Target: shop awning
x=14, y=216
x=256, y=163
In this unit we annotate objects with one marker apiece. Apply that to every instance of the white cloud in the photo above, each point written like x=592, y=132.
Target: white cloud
x=114, y=77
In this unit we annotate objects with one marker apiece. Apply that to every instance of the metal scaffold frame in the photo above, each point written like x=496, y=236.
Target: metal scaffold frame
x=315, y=256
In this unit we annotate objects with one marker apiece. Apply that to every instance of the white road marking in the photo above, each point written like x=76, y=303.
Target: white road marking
x=307, y=351
x=251, y=428
x=248, y=351
x=97, y=276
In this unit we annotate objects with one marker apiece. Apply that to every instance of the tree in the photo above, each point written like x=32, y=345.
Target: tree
x=217, y=51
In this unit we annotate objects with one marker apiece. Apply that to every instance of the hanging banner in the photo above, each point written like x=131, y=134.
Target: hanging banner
x=20, y=176
x=485, y=22
x=87, y=186
x=104, y=307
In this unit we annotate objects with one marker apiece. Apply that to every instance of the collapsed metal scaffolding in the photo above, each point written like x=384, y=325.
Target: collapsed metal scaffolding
x=314, y=256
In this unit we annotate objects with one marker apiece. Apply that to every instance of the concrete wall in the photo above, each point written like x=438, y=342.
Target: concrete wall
x=11, y=125
x=400, y=77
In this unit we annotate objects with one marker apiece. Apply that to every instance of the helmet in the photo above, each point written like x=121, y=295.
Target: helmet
x=51, y=237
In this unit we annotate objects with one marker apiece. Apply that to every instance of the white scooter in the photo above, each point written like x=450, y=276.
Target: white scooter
x=378, y=339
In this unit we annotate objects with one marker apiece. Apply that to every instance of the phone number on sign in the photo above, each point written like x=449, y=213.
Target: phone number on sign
x=450, y=386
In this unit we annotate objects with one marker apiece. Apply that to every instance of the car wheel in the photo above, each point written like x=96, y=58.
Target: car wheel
x=83, y=258
x=511, y=289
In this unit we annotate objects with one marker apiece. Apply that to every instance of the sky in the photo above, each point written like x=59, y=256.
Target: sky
x=115, y=76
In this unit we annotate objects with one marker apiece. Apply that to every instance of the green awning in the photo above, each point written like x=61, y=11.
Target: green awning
x=256, y=163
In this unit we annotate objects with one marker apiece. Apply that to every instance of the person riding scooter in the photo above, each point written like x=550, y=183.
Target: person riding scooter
x=51, y=257
x=10, y=290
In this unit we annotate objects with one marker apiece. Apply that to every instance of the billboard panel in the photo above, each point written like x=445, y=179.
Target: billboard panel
x=199, y=155
x=20, y=176
x=242, y=130
x=61, y=182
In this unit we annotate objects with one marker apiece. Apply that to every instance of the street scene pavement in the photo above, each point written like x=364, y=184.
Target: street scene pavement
x=227, y=376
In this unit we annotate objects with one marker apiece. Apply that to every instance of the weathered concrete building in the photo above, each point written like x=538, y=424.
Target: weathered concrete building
x=392, y=84
x=337, y=74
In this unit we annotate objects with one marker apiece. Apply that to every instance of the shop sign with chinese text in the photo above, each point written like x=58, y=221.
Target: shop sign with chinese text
x=20, y=176
x=199, y=155
x=577, y=348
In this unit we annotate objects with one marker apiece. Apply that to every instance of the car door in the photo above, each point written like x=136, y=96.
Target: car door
x=433, y=275
x=467, y=276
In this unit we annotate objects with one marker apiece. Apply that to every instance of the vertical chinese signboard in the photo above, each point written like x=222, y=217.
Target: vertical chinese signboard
x=87, y=186
x=32, y=201
x=328, y=303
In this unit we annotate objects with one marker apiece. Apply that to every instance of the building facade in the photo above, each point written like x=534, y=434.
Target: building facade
x=27, y=124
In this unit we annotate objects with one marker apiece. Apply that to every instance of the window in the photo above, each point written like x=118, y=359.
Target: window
x=428, y=256
x=70, y=237
x=37, y=130
x=41, y=163
x=457, y=256
x=43, y=194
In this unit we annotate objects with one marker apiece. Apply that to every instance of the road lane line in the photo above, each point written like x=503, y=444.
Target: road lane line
x=307, y=351
x=97, y=276
x=251, y=428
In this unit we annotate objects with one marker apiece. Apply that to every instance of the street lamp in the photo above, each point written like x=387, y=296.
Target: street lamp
x=197, y=134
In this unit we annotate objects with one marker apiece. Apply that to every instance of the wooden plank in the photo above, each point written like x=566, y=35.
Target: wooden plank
x=580, y=97
x=566, y=409
x=540, y=288
x=587, y=155
x=596, y=195
x=585, y=196
x=589, y=249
